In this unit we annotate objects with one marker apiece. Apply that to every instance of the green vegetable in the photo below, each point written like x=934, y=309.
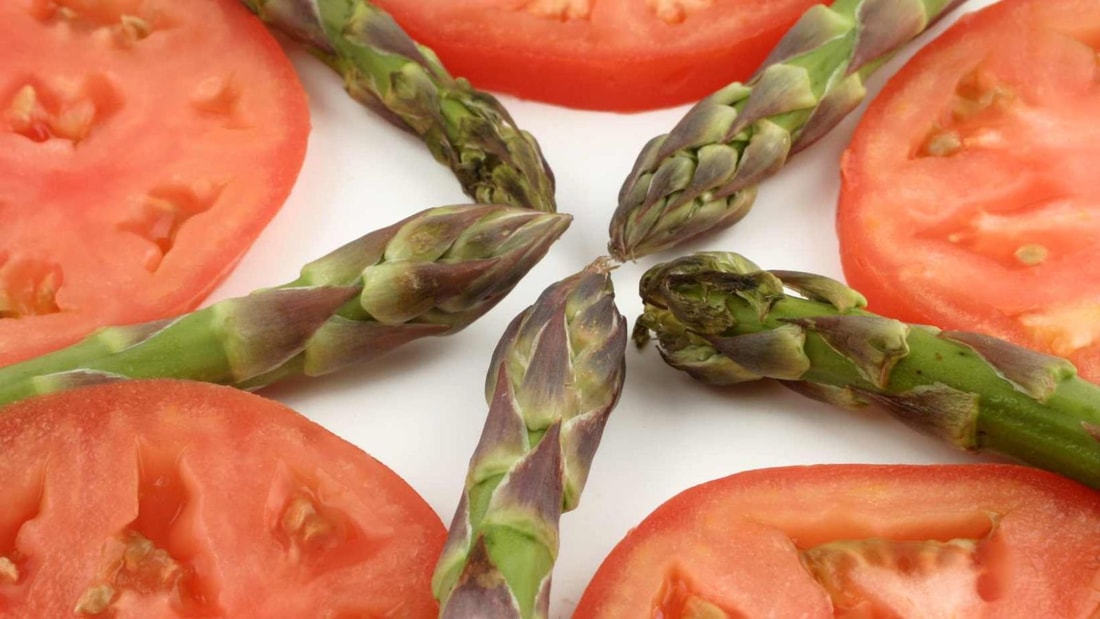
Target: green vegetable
x=555, y=377
x=431, y=274
x=720, y=318
x=385, y=70
x=703, y=175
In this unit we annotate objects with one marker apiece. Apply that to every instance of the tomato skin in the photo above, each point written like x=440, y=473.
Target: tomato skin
x=735, y=542
x=266, y=513
x=617, y=55
x=135, y=169
x=1000, y=232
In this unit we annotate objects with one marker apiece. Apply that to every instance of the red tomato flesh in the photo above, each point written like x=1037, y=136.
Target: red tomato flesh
x=144, y=144
x=970, y=197
x=621, y=55
x=983, y=540
x=180, y=499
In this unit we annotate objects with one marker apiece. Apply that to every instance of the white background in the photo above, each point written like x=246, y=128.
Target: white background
x=420, y=410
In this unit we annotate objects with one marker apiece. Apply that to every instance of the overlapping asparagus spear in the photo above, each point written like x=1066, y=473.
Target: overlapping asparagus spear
x=703, y=175
x=554, y=378
x=465, y=129
x=720, y=318
x=431, y=274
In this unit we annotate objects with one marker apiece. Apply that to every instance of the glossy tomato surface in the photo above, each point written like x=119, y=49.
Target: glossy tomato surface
x=970, y=197
x=178, y=499
x=621, y=55
x=144, y=144
x=984, y=540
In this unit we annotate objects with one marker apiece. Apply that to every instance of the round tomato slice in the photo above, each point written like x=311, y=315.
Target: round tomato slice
x=622, y=55
x=985, y=540
x=144, y=144
x=969, y=196
x=181, y=499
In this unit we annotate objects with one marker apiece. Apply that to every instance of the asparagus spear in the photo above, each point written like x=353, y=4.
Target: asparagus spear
x=385, y=70
x=720, y=318
x=703, y=175
x=553, y=380
x=431, y=274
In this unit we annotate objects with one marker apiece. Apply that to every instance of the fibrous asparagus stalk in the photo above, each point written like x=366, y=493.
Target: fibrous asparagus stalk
x=554, y=378
x=431, y=274
x=720, y=318
x=465, y=129
x=703, y=175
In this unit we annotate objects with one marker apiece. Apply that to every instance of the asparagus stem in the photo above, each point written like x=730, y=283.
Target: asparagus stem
x=703, y=175
x=385, y=70
x=431, y=274
x=554, y=378
x=720, y=318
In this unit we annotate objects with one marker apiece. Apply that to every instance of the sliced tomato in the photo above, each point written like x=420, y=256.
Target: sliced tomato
x=623, y=55
x=182, y=499
x=144, y=144
x=984, y=540
x=969, y=196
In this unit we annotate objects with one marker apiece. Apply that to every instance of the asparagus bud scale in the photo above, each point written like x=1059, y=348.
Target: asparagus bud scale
x=554, y=378
x=702, y=176
x=720, y=318
x=384, y=69
x=431, y=274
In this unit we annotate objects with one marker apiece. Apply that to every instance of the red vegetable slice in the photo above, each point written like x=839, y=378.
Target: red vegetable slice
x=179, y=499
x=144, y=144
x=623, y=55
x=983, y=540
x=969, y=197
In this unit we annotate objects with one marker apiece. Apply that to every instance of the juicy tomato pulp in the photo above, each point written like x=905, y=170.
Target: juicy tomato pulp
x=622, y=55
x=970, y=197
x=170, y=498
x=861, y=541
x=144, y=144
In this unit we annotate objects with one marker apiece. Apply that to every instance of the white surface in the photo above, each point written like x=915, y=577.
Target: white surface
x=420, y=410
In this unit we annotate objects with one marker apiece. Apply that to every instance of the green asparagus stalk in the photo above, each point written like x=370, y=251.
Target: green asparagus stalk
x=721, y=319
x=703, y=175
x=554, y=378
x=465, y=129
x=431, y=274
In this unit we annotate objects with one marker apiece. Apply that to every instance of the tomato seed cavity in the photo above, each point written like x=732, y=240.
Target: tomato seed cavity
x=147, y=557
x=162, y=213
x=560, y=10
x=678, y=598
x=121, y=22
x=676, y=11
x=315, y=535
x=220, y=96
x=979, y=96
x=63, y=109
x=898, y=578
x=28, y=286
